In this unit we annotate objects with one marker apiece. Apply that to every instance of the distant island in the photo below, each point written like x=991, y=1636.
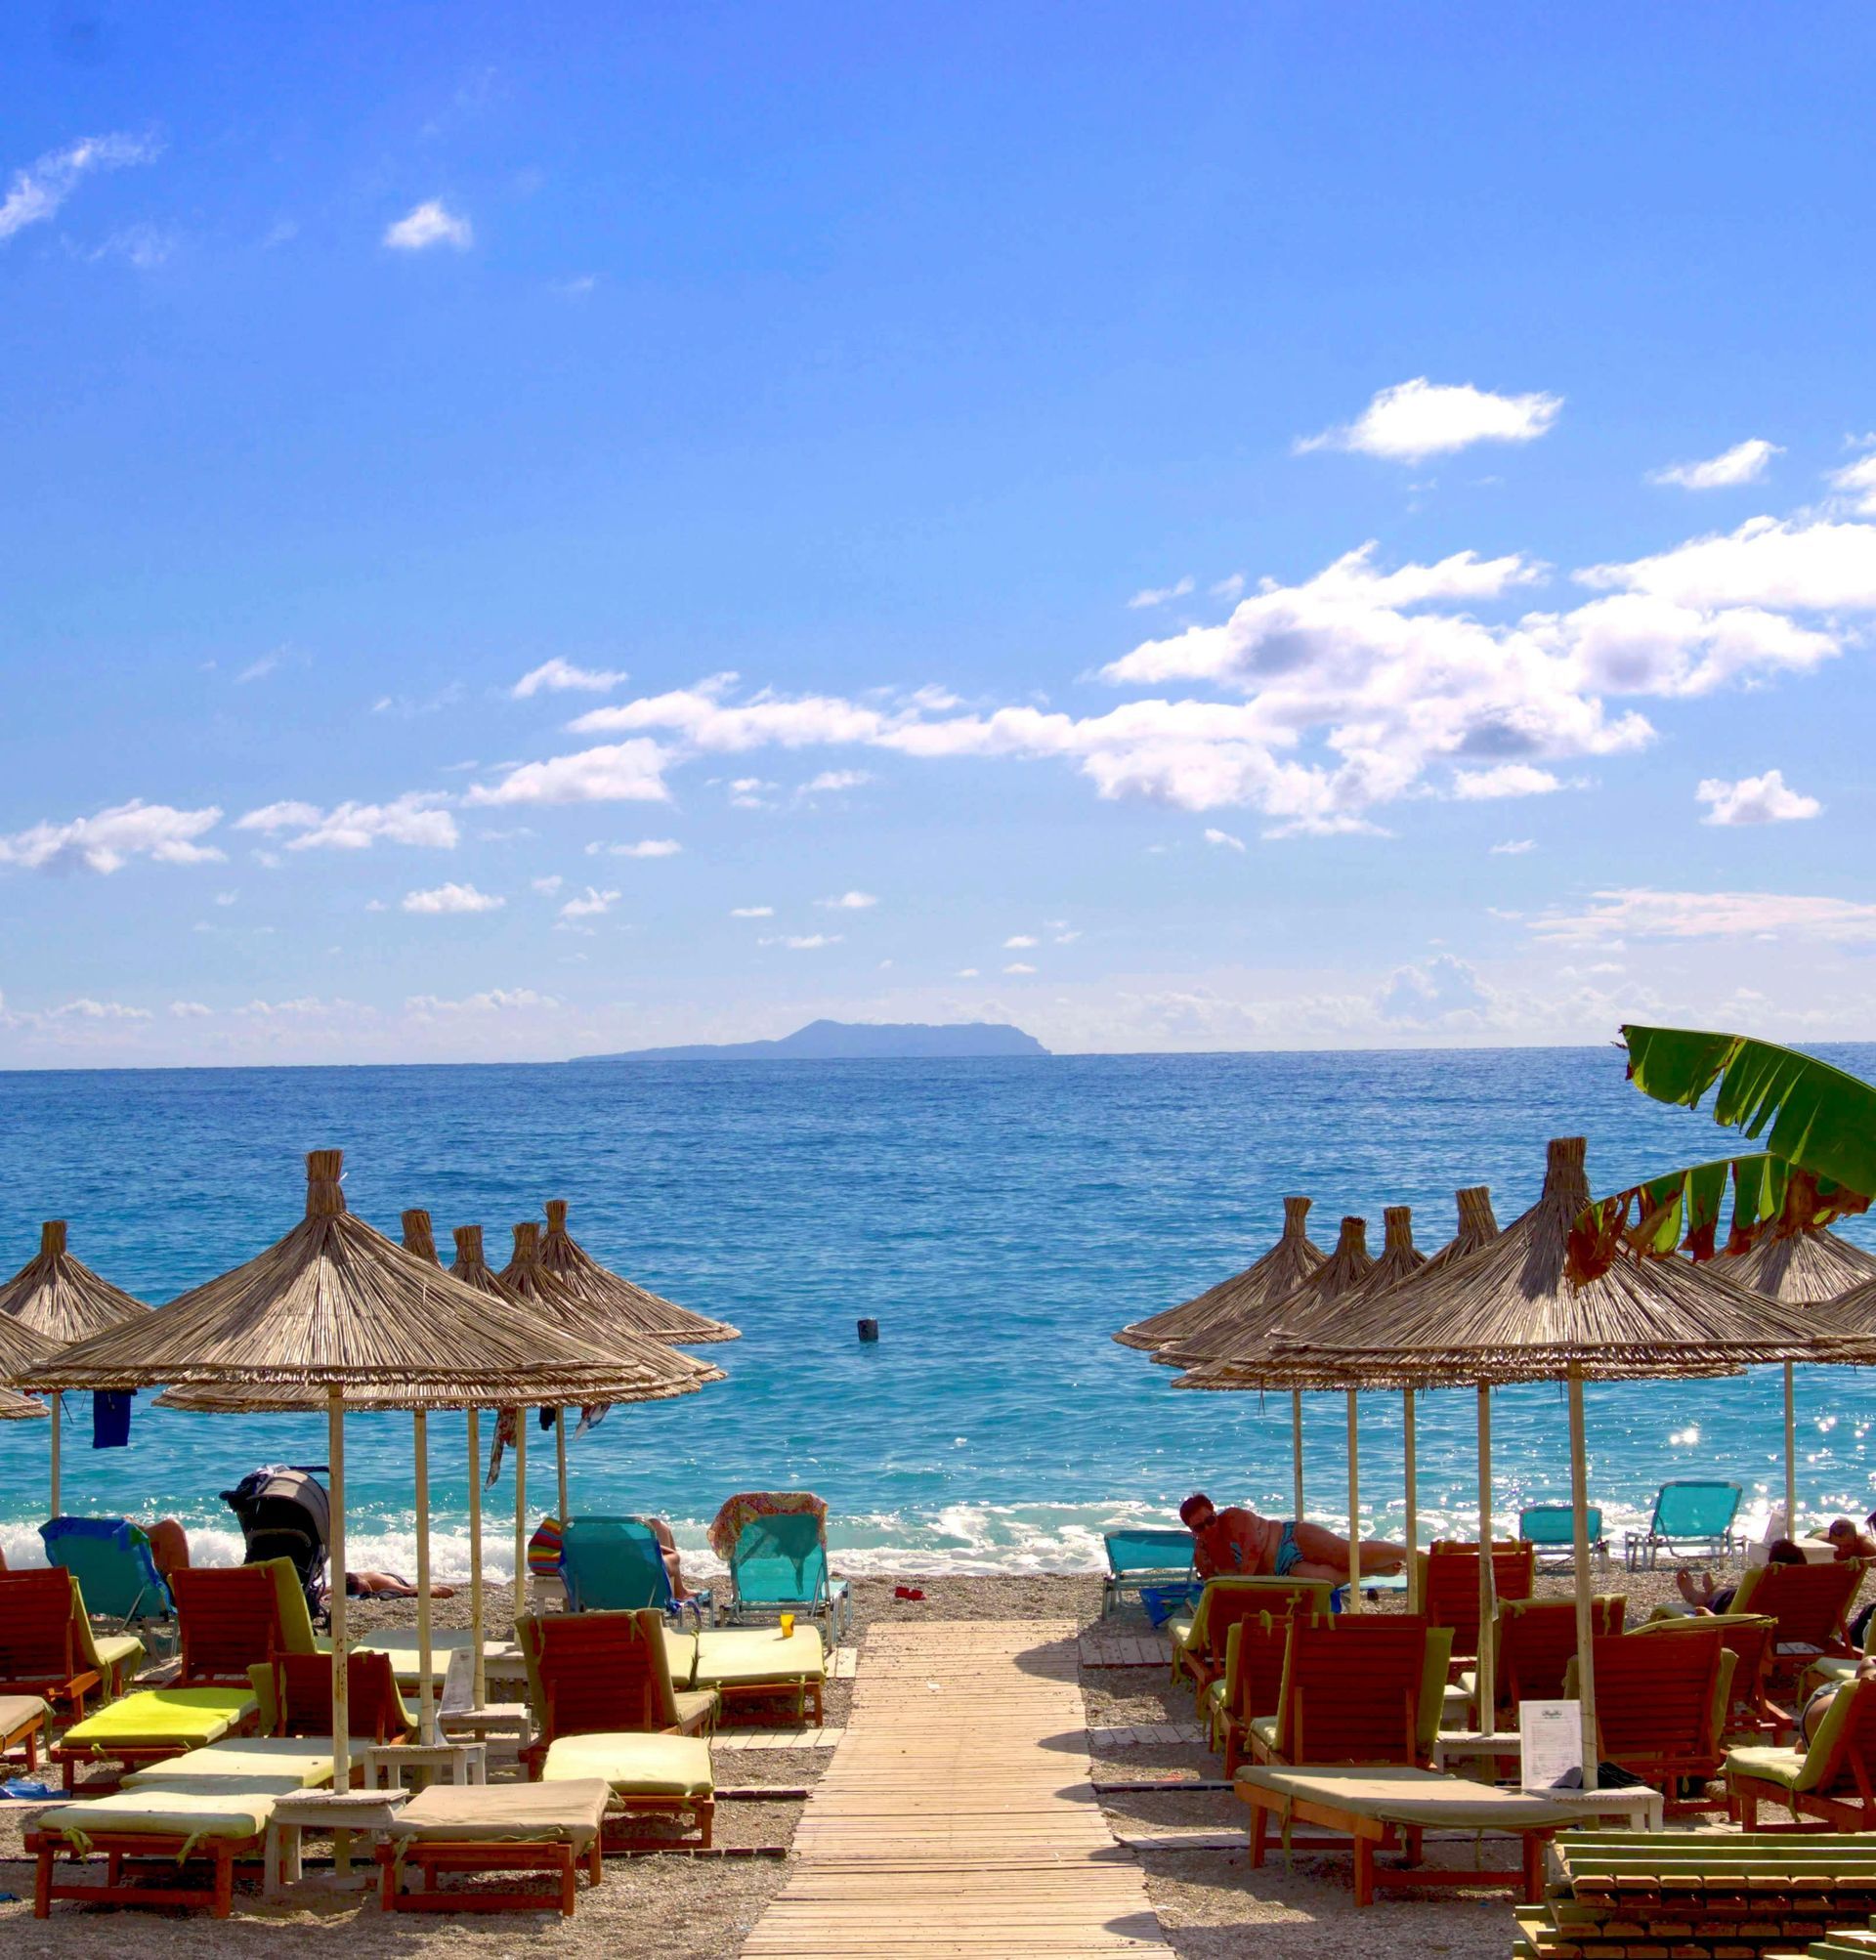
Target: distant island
x=855, y=1042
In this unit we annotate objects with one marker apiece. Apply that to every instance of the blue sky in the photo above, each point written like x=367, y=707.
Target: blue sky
x=1218, y=528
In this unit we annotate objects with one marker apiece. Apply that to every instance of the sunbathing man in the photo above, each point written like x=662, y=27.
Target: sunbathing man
x=1704, y=1597
x=1236, y=1539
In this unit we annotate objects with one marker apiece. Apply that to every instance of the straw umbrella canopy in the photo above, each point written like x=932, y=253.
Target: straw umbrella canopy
x=18, y=1408
x=1799, y=1265
x=1516, y=1310
x=623, y=1302
x=57, y=1295
x=335, y=1311
x=22, y=1351
x=608, y=1316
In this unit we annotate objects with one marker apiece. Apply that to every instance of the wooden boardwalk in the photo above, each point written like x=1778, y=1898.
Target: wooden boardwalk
x=957, y=1819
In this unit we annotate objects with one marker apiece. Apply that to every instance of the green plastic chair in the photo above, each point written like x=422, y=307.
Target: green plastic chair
x=1147, y=1556
x=1551, y=1528
x=1693, y=1511
x=616, y=1566
x=779, y=1565
x=111, y=1560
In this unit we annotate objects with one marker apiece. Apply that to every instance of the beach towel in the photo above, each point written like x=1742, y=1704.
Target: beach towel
x=726, y=1527
x=110, y=1418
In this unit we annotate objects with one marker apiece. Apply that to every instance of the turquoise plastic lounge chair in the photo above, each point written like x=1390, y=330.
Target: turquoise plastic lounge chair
x=111, y=1560
x=1696, y=1512
x=1149, y=1555
x=616, y=1566
x=779, y=1565
x=1552, y=1529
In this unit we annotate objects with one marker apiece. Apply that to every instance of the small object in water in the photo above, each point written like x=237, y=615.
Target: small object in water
x=869, y=1330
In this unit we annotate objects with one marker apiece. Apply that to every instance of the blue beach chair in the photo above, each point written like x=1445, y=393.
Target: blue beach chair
x=1142, y=1557
x=616, y=1566
x=1696, y=1512
x=116, y=1572
x=1552, y=1529
x=779, y=1565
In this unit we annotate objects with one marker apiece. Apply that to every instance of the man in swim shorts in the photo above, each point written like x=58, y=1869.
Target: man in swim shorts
x=1236, y=1539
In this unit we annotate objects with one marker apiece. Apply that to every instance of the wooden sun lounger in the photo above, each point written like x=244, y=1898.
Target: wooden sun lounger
x=511, y=1827
x=23, y=1723
x=1385, y=1807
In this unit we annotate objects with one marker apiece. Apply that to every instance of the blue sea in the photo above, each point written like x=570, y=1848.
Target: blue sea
x=997, y=1218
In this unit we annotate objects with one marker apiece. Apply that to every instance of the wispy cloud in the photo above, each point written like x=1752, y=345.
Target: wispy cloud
x=850, y=901
x=448, y=898
x=1158, y=595
x=1514, y=847
x=830, y=782
x=804, y=942
x=418, y=817
x=1018, y=940
x=107, y=841
x=493, y=1001
x=1755, y=799
x=257, y=670
x=590, y=904
x=1018, y=966
x=558, y=676
x=1858, y=480
x=429, y=223
x=36, y=192
x=1744, y=463
x=1224, y=838
x=753, y=912
x=548, y=886
x=648, y=847
x=1640, y=913
x=1420, y=418
x=617, y=772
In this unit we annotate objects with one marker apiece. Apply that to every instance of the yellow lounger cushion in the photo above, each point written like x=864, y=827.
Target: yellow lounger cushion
x=159, y=1715
x=697, y=1707
x=118, y=1654
x=231, y=1810
x=634, y=1765
x=1417, y=1797
x=302, y=1761
x=569, y=1809
x=1774, y=1765
x=756, y=1657
x=16, y=1710
x=444, y=1647
x=680, y=1656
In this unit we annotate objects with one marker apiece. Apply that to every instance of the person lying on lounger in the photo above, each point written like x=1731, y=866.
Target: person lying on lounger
x=388, y=1586
x=1236, y=1539
x=1704, y=1597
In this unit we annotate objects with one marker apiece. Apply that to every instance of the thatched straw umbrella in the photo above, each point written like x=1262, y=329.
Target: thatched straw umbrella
x=1799, y=1265
x=1241, y=1304
x=607, y=1317
x=1515, y=1310
x=623, y=1304
x=60, y=1297
x=18, y=1408
x=334, y=1312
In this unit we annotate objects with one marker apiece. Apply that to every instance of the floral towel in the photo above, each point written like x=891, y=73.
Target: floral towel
x=726, y=1527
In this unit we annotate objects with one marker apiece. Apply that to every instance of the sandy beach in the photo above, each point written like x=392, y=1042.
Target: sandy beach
x=1207, y=1899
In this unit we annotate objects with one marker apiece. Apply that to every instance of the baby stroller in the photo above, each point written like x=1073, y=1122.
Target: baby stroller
x=284, y=1513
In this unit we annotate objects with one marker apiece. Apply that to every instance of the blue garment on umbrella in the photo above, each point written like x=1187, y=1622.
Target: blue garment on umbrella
x=111, y=1417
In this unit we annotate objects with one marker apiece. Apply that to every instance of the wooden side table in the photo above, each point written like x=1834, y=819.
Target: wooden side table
x=340, y=1811
x=448, y=1761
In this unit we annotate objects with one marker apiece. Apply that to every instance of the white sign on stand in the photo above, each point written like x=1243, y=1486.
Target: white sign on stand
x=1550, y=1743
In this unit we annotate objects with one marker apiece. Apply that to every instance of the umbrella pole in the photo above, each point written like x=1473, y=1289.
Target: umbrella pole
x=521, y=1517
x=1580, y=1558
x=420, y=1463
x=335, y=1598
x=480, y=1669
x=1295, y=1447
x=1355, y=1514
x=1413, y=1506
x=1488, y=1609
x=55, y=1404
x=1790, y=1453
x=560, y=1462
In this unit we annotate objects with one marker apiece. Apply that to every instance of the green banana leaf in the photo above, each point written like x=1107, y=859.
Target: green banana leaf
x=1819, y=1118
x=1679, y=1211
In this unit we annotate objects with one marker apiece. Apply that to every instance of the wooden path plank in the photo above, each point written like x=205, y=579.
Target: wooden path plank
x=958, y=1819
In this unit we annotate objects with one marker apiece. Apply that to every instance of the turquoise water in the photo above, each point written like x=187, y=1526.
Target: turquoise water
x=998, y=1220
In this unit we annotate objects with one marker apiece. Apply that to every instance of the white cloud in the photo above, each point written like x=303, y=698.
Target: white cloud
x=1785, y=565
x=578, y=287
x=1225, y=839
x=548, y=886
x=619, y=772
x=417, y=817
x=259, y=670
x=1514, y=847
x=749, y=792
x=1066, y=938
x=559, y=676
x=1017, y=967
x=966, y=973
x=140, y=245
x=648, y=847
x=1433, y=991
x=87, y=1009
x=1505, y=779
x=107, y=841
x=37, y=192
x=1744, y=463
x=1755, y=799
x=1641, y=913
x=590, y=904
x=227, y=898
x=494, y=1000
x=1158, y=595
x=1420, y=419
x=452, y=896
x=1018, y=940
x=804, y=942
x=1228, y=587
x=429, y=223
x=188, y=1010
x=830, y=782
x=753, y=912
x=1858, y=480
x=849, y=901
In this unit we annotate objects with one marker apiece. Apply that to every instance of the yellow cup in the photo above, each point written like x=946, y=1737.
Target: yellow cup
x=788, y=1626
